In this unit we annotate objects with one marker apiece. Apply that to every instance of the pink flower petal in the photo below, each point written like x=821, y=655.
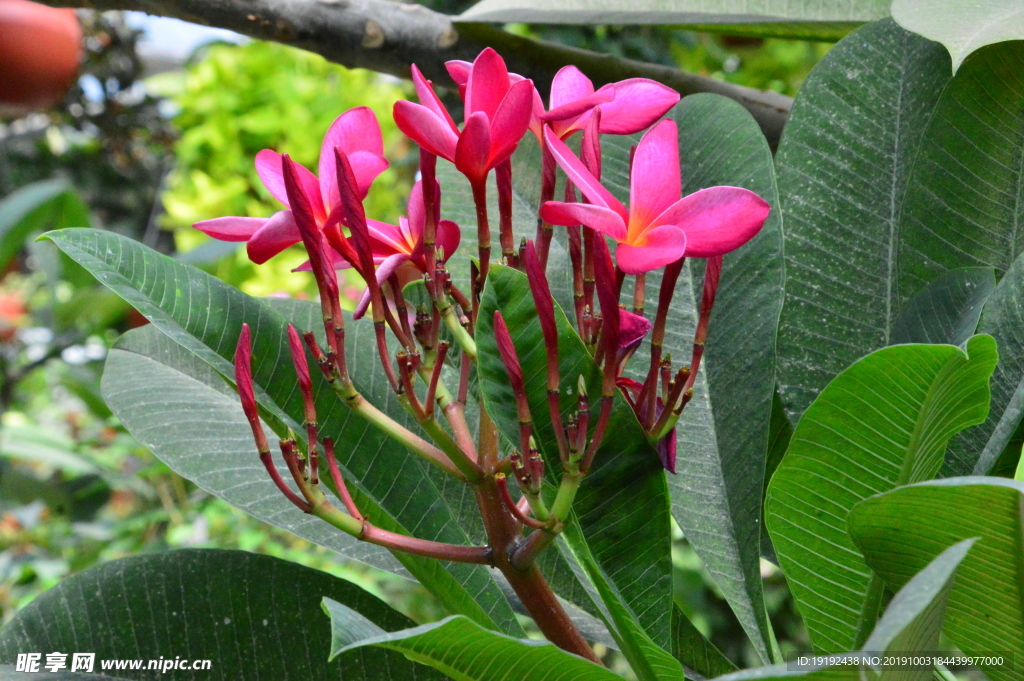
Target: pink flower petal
x=277, y=234
x=386, y=238
x=428, y=98
x=581, y=177
x=385, y=270
x=459, y=70
x=577, y=107
x=638, y=103
x=717, y=220
x=604, y=220
x=355, y=131
x=488, y=84
x=337, y=260
x=662, y=245
x=366, y=166
x=569, y=85
x=632, y=329
x=654, y=182
x=426, y=129
x=448, y=237
x=474, y=148
x=268, y=167
x=415, y=209
x=511, y=121
x=230, y=228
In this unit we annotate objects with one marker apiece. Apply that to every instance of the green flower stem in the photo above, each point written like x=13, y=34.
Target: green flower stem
x=527, y=553
x=357, y=403
x=459, y=332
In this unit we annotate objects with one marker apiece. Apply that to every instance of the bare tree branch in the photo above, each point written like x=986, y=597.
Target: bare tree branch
x=388, y=36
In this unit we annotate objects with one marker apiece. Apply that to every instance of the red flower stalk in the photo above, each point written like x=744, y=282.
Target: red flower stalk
x=507, y=351
x=544, y=302
x=298, y=352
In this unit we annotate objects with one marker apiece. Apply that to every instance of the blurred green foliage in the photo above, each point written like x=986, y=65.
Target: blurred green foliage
x=236, y=100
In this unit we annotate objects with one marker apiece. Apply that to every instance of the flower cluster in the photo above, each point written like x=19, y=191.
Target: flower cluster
x=657, y=231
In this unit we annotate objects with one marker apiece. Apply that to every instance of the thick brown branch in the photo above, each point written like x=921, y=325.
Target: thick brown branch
x=388, y=36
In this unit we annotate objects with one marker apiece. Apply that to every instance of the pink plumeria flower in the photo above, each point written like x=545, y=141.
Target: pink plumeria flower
x=398, y=249
x=659, y=227
x=497, y=116
x=627, y=107
x=357, y=133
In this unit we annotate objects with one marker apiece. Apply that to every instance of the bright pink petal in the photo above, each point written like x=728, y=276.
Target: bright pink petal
x=569, y=85
x=426, y=129
x=511, y=121
x=638, y=103
x=448, y=237
x=385, y=270
x=337, y=260
x=474, y=148
x=662, y=245
x=268, y=167
x=279, y=233
x=488, y=84
x=428, y=98
x=458, y=70
x=355, y=131
x=604, y=220
x=366, y=166
x=581, y=177
x=654, y=182
x=230, y=228
x=387, y=238
x=577, y=107
x=717, y=220
x=415, y=209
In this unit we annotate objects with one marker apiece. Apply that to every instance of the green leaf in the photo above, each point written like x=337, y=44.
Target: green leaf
x=696, y=652
x=723, y=434
x=962, y=28
x=36, y=207
x=947, y=310
x=460, y=648
x=901, y=531
x=843, y=164
x=962, y=204
x=882, y=423
x=204, y=316
x=828, y=19
x=976, y=450
x=911, y=624
x=649, y=661
x=622, y=504
x=252, y=616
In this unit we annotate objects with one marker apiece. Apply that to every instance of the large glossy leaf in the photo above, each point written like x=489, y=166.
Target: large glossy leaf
x=843, y=164
x=463, y=650
x=882, y=423
x=912, y=623
x=828, y=19
x=204, y=315
x=252, y=616
x=723, y=434
x=901, y=531
x=962, y=27
x=947, y=310
x=622, y=504
x=976, y=450
x=962, y=205
x=694, y=651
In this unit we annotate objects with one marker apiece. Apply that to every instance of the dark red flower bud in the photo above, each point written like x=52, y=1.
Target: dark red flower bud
x=509, y=358
x=243, y=382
